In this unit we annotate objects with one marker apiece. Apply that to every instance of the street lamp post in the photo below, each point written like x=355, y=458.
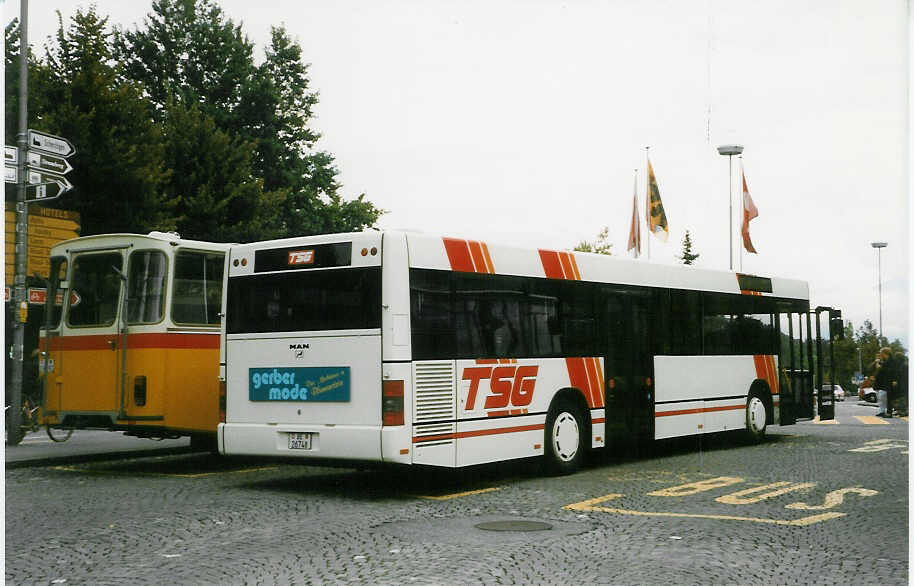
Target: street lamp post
x=879, y=246
x=729, y=150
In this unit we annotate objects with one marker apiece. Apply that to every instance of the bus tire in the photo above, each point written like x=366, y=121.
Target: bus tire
x=756, y=417
x=564, y=439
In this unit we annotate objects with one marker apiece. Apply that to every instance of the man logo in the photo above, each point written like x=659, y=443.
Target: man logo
x=301, y=257
x=299, y=349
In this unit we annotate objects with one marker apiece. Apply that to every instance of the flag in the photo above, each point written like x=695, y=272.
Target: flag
x=656, y=218
x=634, y=233
x=749, y=212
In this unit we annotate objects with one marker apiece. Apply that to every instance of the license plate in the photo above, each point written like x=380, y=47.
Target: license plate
x=300, y=440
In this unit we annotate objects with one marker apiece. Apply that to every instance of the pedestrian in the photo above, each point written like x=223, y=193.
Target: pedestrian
x=885, y=380
x=900, y=404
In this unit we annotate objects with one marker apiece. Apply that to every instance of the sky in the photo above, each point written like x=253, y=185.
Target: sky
x=523, y=122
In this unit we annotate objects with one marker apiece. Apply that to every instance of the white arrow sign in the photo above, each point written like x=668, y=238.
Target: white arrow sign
x=43, y=162
x=10, y=155
x=49, y=143
x=50, y=179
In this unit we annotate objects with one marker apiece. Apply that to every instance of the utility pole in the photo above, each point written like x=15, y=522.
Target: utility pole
x=20, y=302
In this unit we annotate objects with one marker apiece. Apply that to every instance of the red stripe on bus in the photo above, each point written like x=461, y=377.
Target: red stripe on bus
x=458, y=254
x=551, y=264
x=478, y=433
x=594, y=384
x=565, y=259
x=599, y=420
x=765, y=370
x=478, y=259
x=699, y=410
x=577, y=375
x=135, y=341
x=488, y=257
x=602, y=382
x=574, y=266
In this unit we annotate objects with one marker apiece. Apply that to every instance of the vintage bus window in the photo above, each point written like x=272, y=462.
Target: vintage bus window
x=146, y=287
x=95, y=286
x=430, y=314
x=56, y=294
x=735, y=324
x=197, y=295
x=332, y=299
x=487, y=312
x=685, y=323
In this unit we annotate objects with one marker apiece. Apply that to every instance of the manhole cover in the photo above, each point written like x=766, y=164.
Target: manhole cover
x=514, y=525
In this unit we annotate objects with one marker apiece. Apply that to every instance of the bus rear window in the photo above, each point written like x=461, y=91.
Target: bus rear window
x=336, y=299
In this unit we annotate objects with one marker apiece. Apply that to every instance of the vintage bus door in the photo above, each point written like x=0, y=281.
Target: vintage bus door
x=84, y=347
x=629, y=343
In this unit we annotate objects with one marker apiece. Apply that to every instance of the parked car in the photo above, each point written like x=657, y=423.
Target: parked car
x=838, y=391
x=868, y=395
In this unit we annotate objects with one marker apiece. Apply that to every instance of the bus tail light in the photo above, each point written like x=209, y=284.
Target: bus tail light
x=392, y=402
x=222, y=401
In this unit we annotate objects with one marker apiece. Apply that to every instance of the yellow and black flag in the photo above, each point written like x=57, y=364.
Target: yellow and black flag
x=656, y=218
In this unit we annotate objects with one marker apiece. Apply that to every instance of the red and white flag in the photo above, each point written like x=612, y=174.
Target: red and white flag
x=749, y=212
x=634, y=233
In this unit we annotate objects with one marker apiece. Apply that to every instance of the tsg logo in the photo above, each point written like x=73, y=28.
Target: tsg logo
x=508, y=385
x=299, y=349
x=301, y=257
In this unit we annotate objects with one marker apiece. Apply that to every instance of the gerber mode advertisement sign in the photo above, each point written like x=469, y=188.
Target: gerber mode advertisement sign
x=323, y=383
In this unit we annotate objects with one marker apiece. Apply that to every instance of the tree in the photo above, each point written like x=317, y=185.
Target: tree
x=687, y=256
x=600, y=246
x=216, y=196
x=118, y=169
x=190, y=55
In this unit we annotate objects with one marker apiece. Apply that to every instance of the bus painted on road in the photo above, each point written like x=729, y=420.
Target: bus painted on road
x=132, y=337
x=416, y=349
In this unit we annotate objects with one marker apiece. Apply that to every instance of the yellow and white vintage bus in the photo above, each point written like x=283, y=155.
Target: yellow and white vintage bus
x=414, y=349
x=131, y=341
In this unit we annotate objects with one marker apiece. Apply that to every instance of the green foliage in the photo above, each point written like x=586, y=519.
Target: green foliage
x=687, y=256
x=119, y=171
x=600, y=246
x=189, y=55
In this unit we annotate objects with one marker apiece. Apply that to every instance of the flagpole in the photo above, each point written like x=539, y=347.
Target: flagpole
x=637, y=219
x=647, y=199
x=742, y=206
x=728, y=150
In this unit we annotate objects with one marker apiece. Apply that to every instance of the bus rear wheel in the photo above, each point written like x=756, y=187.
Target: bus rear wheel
x=756, y=418
x=564, y=438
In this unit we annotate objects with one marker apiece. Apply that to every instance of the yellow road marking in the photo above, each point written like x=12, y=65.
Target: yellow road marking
x=588, y=506
x=158, y=474
x=448, y=497
x=871, y=420
x=833, y=499
x=774, y=489
x=696, y=487
x=827, y=422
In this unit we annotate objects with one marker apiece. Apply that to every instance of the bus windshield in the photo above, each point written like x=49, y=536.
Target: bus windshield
x=337, y=299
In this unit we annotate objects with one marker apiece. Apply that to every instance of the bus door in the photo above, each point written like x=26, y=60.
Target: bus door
x=797, y=363
x=628, y=342
x=87, y=363
x=825, y=359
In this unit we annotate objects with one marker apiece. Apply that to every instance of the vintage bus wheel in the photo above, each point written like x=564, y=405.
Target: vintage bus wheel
x=756, y=417
x=564, y=443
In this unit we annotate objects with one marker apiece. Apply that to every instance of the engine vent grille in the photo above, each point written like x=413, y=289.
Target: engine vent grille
x=436, y=391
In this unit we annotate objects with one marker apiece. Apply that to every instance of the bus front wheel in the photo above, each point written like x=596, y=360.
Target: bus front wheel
x=564, y=438
x=756, y=417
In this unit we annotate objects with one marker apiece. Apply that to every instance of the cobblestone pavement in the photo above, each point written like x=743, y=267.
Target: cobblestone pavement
x=815, y=504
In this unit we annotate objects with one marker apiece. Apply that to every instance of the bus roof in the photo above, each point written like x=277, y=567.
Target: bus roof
x=455, y=254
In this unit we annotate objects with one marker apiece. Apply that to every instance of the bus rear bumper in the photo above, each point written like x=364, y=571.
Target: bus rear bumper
x=337, y=442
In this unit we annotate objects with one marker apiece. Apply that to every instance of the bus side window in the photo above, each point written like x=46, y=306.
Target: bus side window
x=685, y=323
x=197, y=295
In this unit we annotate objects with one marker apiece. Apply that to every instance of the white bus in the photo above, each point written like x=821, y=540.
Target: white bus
x=414, y=349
